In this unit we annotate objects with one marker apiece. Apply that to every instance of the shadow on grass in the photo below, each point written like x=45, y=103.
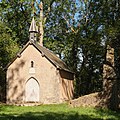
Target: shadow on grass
x=113, y=115
x=48, y=116
x=75, y=114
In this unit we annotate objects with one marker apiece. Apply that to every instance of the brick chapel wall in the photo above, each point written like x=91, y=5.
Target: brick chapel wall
x=43, y=71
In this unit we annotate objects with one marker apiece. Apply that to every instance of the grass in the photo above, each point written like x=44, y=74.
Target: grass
x=55, y=112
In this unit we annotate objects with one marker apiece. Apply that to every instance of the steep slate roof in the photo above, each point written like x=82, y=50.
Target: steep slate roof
x=56, y=61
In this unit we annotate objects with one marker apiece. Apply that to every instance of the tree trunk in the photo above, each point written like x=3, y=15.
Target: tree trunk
x=108, y=76
x=116, y=96
x=41, y=31
x=111, y=76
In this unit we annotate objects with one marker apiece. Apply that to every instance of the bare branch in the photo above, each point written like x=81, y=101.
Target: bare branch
x=72, y=29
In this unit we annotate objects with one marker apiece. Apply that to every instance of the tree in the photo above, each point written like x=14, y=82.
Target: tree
x=8, y=48
x=112, y=30
x=90, y=50
x=73, y=32
x=17, y=16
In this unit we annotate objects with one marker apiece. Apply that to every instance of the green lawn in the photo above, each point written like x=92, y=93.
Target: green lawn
x=55, y=112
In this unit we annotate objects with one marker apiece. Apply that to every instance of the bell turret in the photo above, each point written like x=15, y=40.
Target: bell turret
x=33, y=30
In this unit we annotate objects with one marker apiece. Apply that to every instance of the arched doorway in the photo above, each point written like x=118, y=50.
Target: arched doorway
x=32, y=91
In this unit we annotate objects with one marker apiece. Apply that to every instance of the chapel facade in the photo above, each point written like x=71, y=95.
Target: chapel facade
x=37, y=75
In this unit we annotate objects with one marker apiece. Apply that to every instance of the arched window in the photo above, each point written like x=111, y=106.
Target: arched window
x=32, y=64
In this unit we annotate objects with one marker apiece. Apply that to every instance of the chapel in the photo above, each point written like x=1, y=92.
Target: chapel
x=37, y=75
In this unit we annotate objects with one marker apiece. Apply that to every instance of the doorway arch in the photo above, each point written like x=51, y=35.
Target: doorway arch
x=32, y=90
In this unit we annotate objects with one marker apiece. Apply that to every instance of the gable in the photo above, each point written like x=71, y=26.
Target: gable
x=56, y=61
x=31, y=54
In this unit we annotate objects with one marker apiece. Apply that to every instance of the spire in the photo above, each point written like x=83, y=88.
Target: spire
x=33, y=30
x=33, y=27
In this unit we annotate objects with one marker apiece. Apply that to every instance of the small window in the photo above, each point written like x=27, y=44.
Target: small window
x=32, y=64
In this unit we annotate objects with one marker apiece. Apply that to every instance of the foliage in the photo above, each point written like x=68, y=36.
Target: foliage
x=76, y=37
x=8, y=48
x=8, y=45
x=16, y=15
x=113, y=34
x=55, y=112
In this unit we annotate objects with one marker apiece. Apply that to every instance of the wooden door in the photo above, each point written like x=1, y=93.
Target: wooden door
x=32, y=91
